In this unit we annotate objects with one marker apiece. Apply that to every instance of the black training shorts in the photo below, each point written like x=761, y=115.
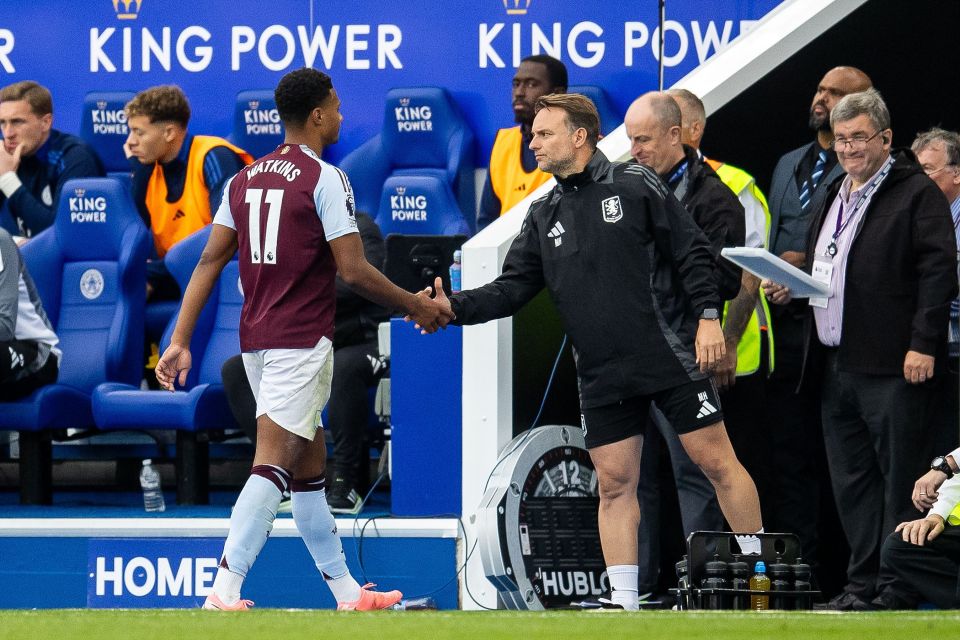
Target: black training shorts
x=688, y=407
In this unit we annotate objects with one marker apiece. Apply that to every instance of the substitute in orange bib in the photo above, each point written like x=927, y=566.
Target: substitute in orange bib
x=178, y=177
x=513, y=172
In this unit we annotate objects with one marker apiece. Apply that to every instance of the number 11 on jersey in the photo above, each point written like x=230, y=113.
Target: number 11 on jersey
x=254, y=198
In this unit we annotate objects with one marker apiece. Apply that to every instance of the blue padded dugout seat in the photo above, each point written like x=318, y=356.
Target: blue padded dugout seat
x=420, y=205
x=103, y=125
x=610, y=116
x=202, y=405
x=423, y=134
x=89, y=269
x=256, y=123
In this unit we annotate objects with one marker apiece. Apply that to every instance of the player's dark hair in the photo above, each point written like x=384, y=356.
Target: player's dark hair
x=300, y=92
x=555, y=69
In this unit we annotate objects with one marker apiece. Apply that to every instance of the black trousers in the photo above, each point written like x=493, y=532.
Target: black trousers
x=788, y=481
x=877, y=432
x=356, y=368
x=15, y=357
x=931, y=570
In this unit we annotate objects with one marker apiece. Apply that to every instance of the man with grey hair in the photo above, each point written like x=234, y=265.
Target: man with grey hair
x=882, y=242
x=799, y=187
x=938, y=152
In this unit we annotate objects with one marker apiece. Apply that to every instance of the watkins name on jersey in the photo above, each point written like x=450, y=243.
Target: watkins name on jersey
x=284, y=167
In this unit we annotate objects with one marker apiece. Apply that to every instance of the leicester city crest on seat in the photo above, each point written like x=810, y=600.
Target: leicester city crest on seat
x=612, y=211
x=91, y=284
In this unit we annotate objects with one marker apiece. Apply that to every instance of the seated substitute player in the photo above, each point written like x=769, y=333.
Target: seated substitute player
x=35, y=160
x=291, y=216
x=632, y=277
x=178, y=177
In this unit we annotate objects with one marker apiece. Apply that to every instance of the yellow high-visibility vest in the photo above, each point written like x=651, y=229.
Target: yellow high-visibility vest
x=510, y=182
x=748, y=349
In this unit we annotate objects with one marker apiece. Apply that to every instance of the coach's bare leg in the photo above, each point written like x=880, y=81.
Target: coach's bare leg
x=711, y=450
x=618, y=472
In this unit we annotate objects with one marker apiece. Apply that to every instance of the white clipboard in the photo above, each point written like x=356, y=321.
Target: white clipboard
x=764, y=264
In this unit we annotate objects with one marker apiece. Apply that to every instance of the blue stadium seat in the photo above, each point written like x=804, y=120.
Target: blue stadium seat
x=256, y=124
x=420, y=205
x=103, y=125
x=202, y=406
x=90, y=272
x=424, y=134
x=610, y=116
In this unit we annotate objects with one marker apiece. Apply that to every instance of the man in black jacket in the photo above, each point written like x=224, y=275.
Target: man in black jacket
x=883, y=241
x=654, y=124
x=633, y=280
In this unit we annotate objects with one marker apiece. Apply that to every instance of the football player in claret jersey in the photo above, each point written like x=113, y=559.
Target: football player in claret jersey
x=290, y=215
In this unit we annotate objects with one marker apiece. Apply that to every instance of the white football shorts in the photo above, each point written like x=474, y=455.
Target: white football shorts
x=292, y=385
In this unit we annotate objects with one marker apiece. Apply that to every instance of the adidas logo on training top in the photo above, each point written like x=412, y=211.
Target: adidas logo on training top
x=16, y=359
x=706, y=408
x=555, y=233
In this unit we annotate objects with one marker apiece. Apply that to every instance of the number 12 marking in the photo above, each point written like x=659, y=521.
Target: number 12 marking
x=254, y=198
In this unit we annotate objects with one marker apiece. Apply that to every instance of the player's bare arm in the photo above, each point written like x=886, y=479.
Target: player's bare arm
x=176, y=360
x=364, y=278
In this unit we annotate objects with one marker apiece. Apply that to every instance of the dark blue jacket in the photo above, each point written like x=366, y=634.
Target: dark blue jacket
x=33, y=207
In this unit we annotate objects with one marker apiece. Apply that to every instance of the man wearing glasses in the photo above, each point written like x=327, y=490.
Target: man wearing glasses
x=798, y=188
x=876, y=346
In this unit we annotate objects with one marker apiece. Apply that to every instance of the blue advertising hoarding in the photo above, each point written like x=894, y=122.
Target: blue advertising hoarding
x=130, y=573
x=41, y=572
x=215, y=49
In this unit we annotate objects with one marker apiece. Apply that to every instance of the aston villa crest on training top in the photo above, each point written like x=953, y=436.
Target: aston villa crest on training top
x=611, y=209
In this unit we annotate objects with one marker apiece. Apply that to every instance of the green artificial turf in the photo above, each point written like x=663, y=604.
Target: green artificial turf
x=278, y=624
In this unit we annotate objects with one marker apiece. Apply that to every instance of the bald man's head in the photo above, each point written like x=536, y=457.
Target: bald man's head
x=692, y=114
x=837, y=83
x=653, y=125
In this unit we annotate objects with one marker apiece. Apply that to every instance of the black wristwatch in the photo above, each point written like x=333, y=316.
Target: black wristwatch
x=710, y=314
x=940, y=464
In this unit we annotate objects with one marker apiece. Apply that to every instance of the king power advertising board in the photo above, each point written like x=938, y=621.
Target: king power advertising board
x=214, y=49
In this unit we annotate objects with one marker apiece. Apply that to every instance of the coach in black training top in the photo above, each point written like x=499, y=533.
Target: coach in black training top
x=632, y=278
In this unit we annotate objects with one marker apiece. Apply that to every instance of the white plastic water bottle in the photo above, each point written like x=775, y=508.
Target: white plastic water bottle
x=455, y=272
x=152, y=491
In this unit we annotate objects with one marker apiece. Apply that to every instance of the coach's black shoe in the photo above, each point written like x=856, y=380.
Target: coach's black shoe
x=888, y=601
x=343, y=497
x=846, y=601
